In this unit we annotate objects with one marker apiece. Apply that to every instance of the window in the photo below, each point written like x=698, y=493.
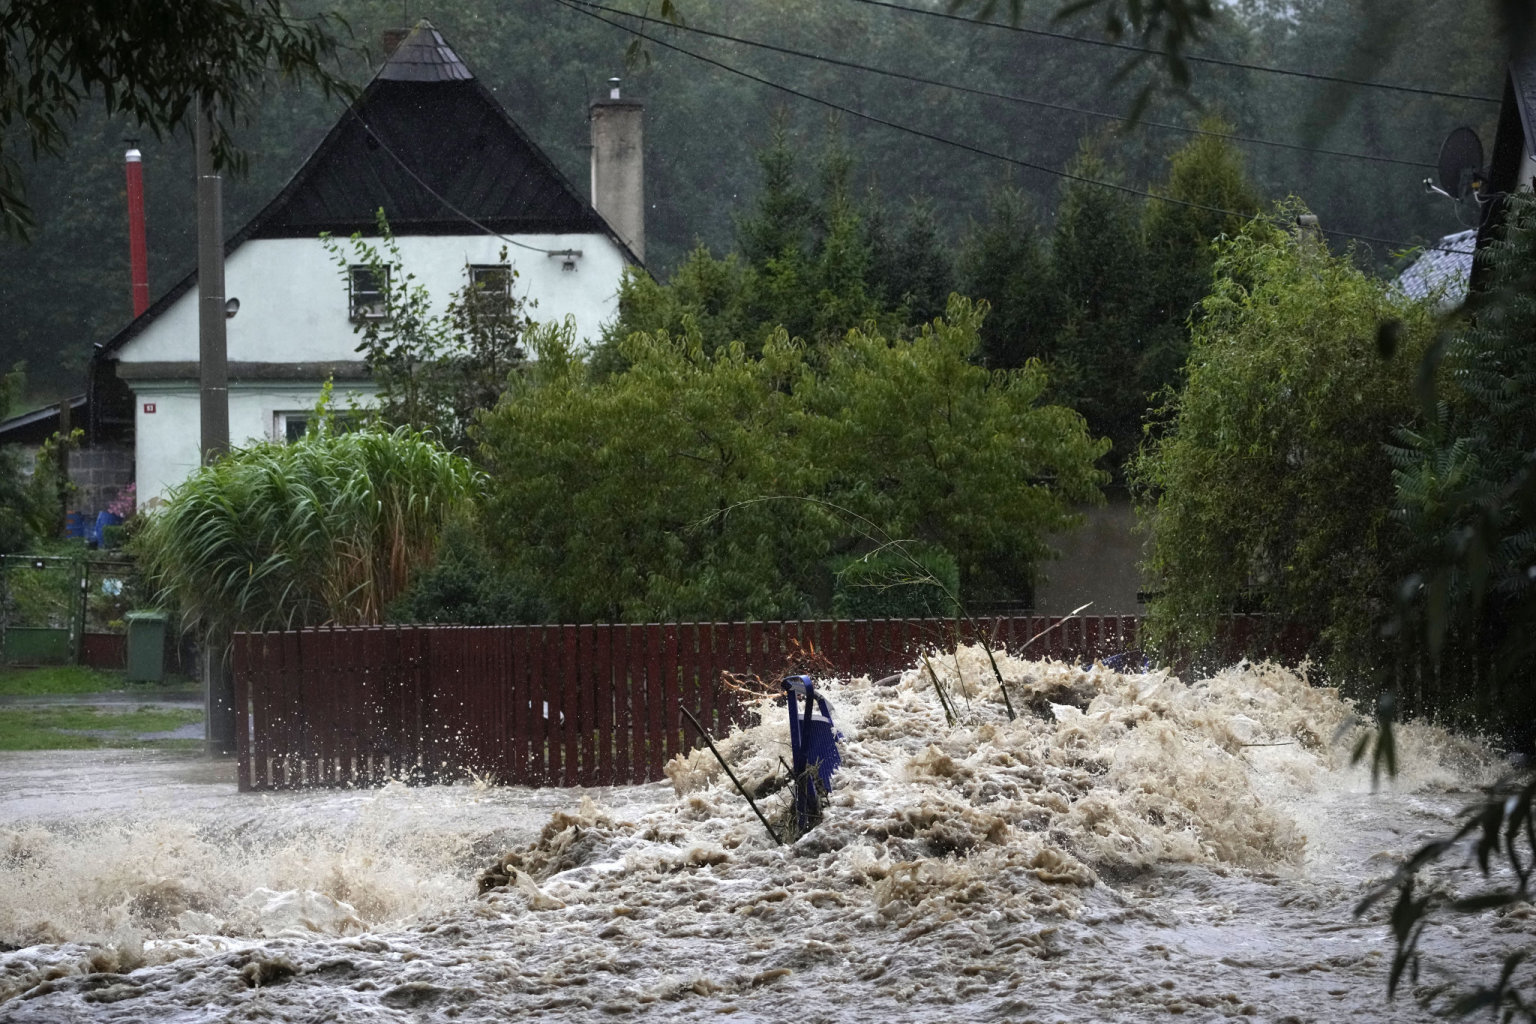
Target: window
x=291, y=426
x=491, y=279
x=368, y=292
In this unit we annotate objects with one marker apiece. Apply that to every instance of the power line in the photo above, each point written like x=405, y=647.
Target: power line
x=439, y=196
x=988, y=94
x=574, y=5
x=1216, y=61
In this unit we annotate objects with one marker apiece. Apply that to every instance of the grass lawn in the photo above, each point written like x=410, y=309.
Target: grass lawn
x=74, y=728
x=72, y=679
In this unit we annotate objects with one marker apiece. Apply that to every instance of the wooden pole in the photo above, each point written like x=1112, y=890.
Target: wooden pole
x=739, y=787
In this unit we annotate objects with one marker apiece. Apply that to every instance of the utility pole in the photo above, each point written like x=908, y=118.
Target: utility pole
x=213, y=351
x=213, y=392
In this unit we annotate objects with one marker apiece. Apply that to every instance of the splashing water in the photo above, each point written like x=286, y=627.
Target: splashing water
x=1130, y=846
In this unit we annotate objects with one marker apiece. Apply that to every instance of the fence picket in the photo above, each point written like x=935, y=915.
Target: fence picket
x=580, y=705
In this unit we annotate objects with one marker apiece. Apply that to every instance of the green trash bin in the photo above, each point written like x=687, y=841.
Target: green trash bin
x=146, y=647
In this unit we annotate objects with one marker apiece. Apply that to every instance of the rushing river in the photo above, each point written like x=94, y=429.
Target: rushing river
x=1131, y=847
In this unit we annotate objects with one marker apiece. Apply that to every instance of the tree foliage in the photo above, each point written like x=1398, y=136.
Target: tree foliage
x=16, y=532
x=1105, y=298
x=327, y=530
x=805, y=263
x=435, y=368
x=1465, y=486
x=1268, y=487
x=149, y=62
x=726, y=483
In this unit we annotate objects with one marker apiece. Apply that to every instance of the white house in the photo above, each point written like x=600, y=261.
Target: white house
x=458, y=181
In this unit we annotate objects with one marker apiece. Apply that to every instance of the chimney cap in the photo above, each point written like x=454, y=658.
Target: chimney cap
x=133, y=156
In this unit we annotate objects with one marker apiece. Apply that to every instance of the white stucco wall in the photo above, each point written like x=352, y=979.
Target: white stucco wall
x=293, y=297
x=294, y=309
x=167, y=441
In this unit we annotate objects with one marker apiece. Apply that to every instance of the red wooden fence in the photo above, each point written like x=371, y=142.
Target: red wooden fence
x=556, y=705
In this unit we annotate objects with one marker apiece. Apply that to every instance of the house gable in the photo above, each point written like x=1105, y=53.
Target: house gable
x=427, y=143
x=460, y=183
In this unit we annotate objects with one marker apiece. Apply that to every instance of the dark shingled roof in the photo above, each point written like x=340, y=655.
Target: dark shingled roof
x=424, y=57
x=430, y=145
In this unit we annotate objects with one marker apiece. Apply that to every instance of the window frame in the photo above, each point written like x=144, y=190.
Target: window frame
x=483, y=279
x=367, y=303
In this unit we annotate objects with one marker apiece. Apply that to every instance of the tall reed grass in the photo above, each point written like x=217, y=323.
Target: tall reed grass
x=326, y=530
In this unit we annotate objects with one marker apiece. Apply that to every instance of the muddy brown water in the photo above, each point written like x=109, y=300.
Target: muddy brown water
x=1144, y=848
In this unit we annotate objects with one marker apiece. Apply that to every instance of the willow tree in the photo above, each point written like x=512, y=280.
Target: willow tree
x=327, y=530
x=1268, y=486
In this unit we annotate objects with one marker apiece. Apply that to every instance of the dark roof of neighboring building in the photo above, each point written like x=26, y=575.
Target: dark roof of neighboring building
x=424, y=57
x=1522, y=79
x=430, y=145
x=37, y=426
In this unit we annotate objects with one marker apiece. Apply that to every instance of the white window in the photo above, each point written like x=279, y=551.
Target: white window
x=288, y=427
x=491, y=279
x=368, y=293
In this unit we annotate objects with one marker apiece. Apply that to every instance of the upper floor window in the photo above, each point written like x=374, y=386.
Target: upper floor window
x=491, y=279
x=368, y=293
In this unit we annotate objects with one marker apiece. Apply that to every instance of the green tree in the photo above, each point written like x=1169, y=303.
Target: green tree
x=1205, y=178
x=1268, y=487
x=924, y=442
x=912, y=272
x=1006, y=264
x=1466, y=492
x=16, y=532
x=434, y=370
x=467, y=586
x=622, y=498
x=147, y=62
x=1098, y=271
x=1465, y=488
x=727, y=484
x=328, y=530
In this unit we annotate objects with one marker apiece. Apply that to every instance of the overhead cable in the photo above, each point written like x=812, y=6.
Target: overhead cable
x=576, y=6
x=442, y=199
x=1193, y=59
x=1006, y=97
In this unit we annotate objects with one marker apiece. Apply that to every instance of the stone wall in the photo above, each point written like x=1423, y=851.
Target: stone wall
x=99, y=473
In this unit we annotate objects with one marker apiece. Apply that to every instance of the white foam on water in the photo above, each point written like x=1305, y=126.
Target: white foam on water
x=1128, y=847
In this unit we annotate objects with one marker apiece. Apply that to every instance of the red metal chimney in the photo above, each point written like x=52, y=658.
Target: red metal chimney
x=138, y=253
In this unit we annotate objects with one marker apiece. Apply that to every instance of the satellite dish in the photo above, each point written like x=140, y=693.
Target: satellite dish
x=1461, y=159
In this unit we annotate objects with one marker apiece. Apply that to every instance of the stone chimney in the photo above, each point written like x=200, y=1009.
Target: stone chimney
x=618, y=166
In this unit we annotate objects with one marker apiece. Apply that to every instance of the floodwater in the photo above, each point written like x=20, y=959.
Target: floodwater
x=1130, y=848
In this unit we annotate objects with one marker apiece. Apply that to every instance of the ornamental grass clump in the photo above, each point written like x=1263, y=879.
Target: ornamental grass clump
x=327, y=530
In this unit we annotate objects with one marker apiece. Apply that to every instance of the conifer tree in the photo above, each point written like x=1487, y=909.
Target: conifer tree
x=1207, y=195
x=1006, y=264
x=1098, y=269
